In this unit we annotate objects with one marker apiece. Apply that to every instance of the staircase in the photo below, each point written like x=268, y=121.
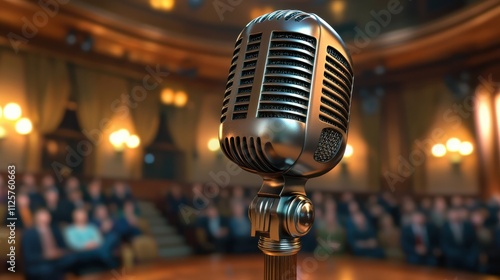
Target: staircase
x=170, y=243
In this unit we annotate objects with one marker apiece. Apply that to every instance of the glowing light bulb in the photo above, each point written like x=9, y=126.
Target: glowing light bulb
x=167, y=96
x=181, y=99
x=116, y=140
x=213, y=144
x=133, y=141
x=12, y=111
x=24, y=126
x=348, y=151
x=438, y=150
x=466, y=148
x=453, y=144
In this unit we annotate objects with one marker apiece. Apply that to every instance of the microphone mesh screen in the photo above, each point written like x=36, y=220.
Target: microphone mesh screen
x=287, y=81
x=247, y=77
x=336, y=92
x=230, y=80
x=329, y=143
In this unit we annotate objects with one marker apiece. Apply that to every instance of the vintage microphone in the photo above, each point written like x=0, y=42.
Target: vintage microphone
x=285, y=116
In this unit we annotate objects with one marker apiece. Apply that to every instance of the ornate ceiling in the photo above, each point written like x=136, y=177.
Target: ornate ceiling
x=194, y=38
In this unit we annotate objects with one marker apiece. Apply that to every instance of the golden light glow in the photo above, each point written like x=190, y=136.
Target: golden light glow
x=116, y=140
x=348, y=151
x=438, y=150
x=24, y=126
x=167, y=96
x=497, y=112
x=0, y=112
x=166, y=5
x=133, y=141
x=257, y=12
x=181, y=99
x=3, y=132
x=338, y=8
x=123, y=134
x=466, y=148
x=12, y=111
x=484, y=120
x=213, y=144
x=453, y=144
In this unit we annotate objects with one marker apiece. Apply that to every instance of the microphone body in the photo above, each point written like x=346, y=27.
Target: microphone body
x=285, y=116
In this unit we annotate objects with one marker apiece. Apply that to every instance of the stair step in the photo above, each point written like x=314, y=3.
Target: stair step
x=174, y=252
x=163, y=230
x=169, y=240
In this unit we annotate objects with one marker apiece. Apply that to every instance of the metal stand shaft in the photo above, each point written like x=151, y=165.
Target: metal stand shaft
x=280, y=267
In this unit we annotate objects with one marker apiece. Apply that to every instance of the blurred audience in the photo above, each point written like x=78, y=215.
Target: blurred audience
x=362, y=238
x=420, y=241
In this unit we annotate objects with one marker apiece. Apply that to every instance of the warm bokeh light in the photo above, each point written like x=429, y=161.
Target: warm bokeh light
x=338, y=8
x=0, y=112
x=497, y=112
x=116, y=140
x=213, y=144
x=438, y=150
x=348, y=151
x=133, y=141
x=123, y=134
x=259, y=11
x=166, y=5
x=12, y=111
x=466, y=148
x=167, y=96
x=484, y=118
x=24, y=126
x=181, y=99
x=3, y=132
x=453, y=144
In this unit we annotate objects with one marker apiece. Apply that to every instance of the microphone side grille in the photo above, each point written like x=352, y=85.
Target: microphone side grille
x=248, y=153
x=251, y=56
x=336, y=91
x=329, y=144
x=230, y=80
x=287, y=81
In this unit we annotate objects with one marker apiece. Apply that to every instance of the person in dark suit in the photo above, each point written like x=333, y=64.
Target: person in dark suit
x=44, y=250
x=239, y=230
x=94, y=195
x=362, y=237
x=420, y=241
x=60, y=209
x=494, y=257
x=212, y=231
x=459, y=241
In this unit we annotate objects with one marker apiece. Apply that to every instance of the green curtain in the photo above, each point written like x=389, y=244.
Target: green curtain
x=182, y=124
x=47, y=90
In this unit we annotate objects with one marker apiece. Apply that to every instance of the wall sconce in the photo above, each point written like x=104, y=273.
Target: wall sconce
x=122, y=138
x=164, y=5
x=11, y=117
x=214, y=146
x=177, y=99
x=455, y=148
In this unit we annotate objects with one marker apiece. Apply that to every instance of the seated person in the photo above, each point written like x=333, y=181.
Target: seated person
x=85, y=239
x=30, y=188
x=212, y=231
x=72, y=184
x=23, y=213
x=420, y=241
x=94, y=195
x=121, y=194
x=494, y=257
x=459, y=241
x=44, y=252
x=127, y=225
x=239, y=230
x=484, y=237
x=362, y=237
x=59, y=209
x=102, y=220
x=389, y=237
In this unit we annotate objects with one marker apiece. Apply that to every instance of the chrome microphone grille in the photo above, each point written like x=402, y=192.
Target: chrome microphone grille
x=336, y=91
x=287, y=82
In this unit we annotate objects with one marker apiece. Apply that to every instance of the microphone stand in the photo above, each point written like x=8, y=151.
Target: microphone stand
x=280, y=214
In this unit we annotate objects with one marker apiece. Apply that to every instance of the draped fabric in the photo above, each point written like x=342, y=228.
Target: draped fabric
x=47, y=90
x=182, y=124
x=421, y=103
x=370, y=126
x=146, y=119
x=98, y=97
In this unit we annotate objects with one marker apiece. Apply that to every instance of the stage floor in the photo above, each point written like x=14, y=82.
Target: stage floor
x=251, y=268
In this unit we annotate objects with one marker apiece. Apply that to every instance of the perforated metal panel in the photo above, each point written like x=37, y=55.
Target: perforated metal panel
x=230, y=80
x=287, y=81
x=329, y=143
x=336, y=91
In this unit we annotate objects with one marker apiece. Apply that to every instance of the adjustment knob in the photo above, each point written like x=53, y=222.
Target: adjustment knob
x=299, y=216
